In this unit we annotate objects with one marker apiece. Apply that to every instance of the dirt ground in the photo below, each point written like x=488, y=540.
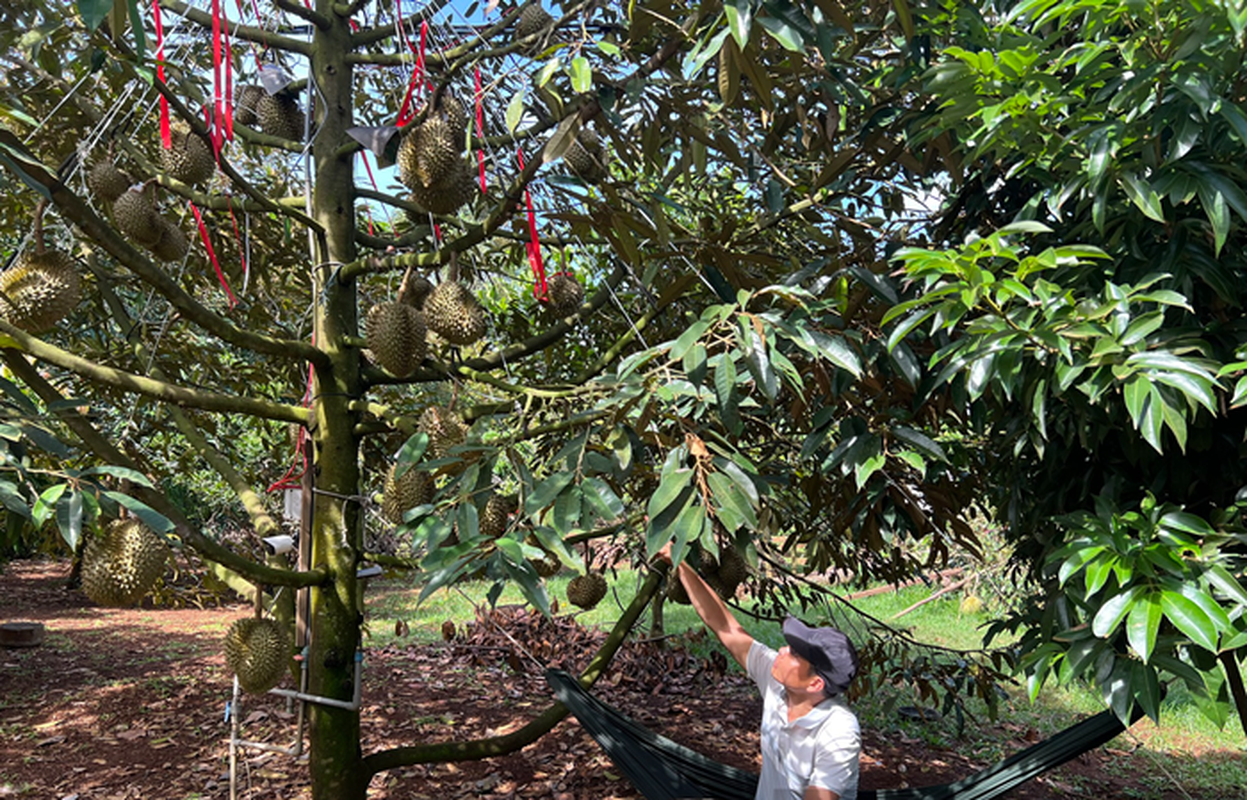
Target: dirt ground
x=131, y=703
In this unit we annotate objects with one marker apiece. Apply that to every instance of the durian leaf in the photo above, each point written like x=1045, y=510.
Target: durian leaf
x=12, y=499
x=604, y=500
x=5, y=340
x=94, y=12
x=544, y=494
x=530, y=585
x=468, y=522
x=562, y=140
x=147, y=515
x=124, y=473
x=551, y=540
x=443, y=577
x=739, y=19
x=728, y=497
x=515, y=110
x=661, y=525
x=46, y=504
x=566, y=516
x=136, y=24
x=69, y=519
x=410, y=453
x=581, y=74
x=14, y=391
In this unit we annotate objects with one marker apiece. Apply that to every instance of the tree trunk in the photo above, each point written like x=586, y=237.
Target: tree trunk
x=336, y=764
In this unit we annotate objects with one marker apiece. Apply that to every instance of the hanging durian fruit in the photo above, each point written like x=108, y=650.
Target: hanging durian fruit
x=247, y=102
x=732, y=572
x=430, y=160
x=564, y=294
x=533, y=19
x=123, y=563
x=586, y=157
x=257, y=651
x=498, y=508
x=444, y=428
x=676, y=592
x=107, y=182
x=279, y=115
x=396, y=336
x=189, y=159
x=40, y=290
x=42, y=287
x=173, y=245
x=135, y=215
x=549, y=564
x=453, y=312
x=586, y=591
x=413, y=489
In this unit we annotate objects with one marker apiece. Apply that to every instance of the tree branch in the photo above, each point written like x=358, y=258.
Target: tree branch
x=441, y=752
x=244, y=32
x=128, y=381
x=109, y=453
x=304, y=13
x=369, y=36
x=77, y=212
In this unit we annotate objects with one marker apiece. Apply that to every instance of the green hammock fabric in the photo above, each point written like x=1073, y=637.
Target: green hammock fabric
x=663, y=770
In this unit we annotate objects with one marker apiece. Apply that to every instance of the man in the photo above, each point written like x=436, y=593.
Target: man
x=810, y=739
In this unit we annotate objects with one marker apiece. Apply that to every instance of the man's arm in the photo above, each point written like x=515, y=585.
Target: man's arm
x=712, y=610
x=819, y=793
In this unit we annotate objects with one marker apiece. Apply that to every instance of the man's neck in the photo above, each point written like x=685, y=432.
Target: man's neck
x=801, y=703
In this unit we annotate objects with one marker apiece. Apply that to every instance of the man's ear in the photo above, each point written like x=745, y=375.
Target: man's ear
x=817, y=684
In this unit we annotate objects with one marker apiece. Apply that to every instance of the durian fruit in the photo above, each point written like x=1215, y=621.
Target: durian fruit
x=437, y=151
x=444, y=429
x=564, y=294
x=189, y=159
x=586, y=157
x=246, y=103
x=453, y=312
x=173, y=245
x=447, y=198
x=39, y=290
x=586, y=591
x=413, y=489
x=107, y=182
x=533, y=19
x=498, y=508
x=123, y=563
x=257, y=651
x=279, y=115
x=971, y=604
x=732, y=570
x=136, y=217
x=676, y=592
x=456, y=116
x=396, y=336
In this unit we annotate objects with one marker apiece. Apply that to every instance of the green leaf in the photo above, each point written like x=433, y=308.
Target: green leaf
x=1190, y=619
x=136, y=25
x=69, y=519
x=688, y=338
x=728, y=496
x=1217, y=576
x=1113, y=612
x=1143, y=196
x=757, y=360
x=515, y=110
x=13, y=500
x=838, y=351
x=147, y=515
x=410, y=453
x=864, y=469
x=94, y=12
x=725, y=390
x=123, y=473
x=669, y=490
x=603, y=498
x=1146, y=689
x=566, y=515
x=1143, y=623
x=530, y=585
x=920, y=441
x=788, y=36
x=581, y=74
x=46, y=504
x=544, y=494
x=739, y=18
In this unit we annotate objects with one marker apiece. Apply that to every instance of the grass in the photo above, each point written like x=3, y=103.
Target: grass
x=1186, y=749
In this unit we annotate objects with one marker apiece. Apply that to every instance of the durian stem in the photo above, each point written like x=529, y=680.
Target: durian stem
x=39, y=209
x=259, y=601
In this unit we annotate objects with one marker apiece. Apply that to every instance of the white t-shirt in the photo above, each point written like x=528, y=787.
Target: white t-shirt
x=819, y=749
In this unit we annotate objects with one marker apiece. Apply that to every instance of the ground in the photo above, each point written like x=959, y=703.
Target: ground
x=131, y=703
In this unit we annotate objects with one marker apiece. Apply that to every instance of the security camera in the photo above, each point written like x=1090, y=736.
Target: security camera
x=276, y=545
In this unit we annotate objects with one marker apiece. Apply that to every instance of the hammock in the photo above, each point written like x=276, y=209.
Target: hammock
x=663, y=770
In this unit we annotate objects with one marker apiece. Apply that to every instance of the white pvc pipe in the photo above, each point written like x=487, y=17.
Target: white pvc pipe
x=354, y=703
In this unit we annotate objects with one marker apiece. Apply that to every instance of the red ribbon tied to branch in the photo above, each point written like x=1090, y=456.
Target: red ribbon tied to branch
x=533, y=246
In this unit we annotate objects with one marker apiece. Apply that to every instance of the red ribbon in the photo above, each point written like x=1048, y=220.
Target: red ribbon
x=533, y=246
x=406, y=113
x=218, y=110
x=291, y=480
x=480, y=127
x=368, y=167
x=166, y=133
x=203, y=234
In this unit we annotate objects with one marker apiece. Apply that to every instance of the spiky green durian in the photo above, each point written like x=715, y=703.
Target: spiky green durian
x=453, y=312
x=257, y=651
x=122, y=564
x=39, y=290
x=396, y=336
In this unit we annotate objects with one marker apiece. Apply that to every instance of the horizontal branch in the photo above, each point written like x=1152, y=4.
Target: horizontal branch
x=245, y=32
x=304, y=13
x=148, y=387
x=443, y=752
x=110, y=454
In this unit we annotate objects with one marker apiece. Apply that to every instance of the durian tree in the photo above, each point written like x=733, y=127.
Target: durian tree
x=625, y=283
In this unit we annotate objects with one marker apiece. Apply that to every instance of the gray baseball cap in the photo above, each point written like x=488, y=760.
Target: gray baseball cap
x=829, y=652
